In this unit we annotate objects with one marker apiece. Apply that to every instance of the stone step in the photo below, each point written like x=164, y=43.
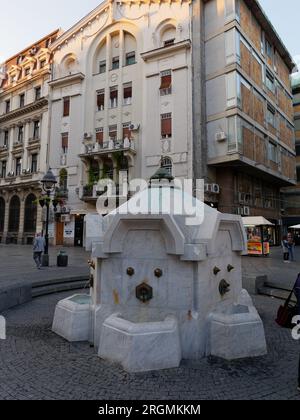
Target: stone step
x=59, y=287
x=275, y=293
x=60, y=280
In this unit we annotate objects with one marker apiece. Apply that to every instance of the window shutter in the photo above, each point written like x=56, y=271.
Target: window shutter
x=66, y=107
x=126, y=131
x=114, y=94
x=99, y=136
x=65, y=140
x=100, y=99
x=127, y=92
x=166, y=126
x=166, y=82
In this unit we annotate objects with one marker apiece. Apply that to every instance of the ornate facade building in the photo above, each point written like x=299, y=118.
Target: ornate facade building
x=200, y=87
x=121, y=97
x=24, y=128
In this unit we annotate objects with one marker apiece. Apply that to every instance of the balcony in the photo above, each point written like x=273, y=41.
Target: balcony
x=3, y=150
x=111, y=146
x=18, y=145
x=90, y=194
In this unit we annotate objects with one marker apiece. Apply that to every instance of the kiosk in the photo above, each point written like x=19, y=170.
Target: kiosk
x=256, y=230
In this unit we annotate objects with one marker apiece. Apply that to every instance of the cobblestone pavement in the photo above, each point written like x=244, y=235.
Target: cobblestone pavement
x=37, y=364
x=17, y=265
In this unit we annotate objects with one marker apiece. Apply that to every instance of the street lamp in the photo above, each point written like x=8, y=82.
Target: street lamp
x=48, y=182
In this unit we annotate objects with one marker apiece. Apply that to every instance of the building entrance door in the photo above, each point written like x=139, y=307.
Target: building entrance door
x=60, y=233
x=79, y=224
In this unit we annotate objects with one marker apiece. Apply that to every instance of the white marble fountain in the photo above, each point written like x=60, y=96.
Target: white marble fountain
x=164, y=290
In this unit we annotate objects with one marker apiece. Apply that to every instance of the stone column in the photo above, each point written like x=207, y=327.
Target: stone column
x=6, y=218
x=12, y=138
x=26, y=163
x=22, y=218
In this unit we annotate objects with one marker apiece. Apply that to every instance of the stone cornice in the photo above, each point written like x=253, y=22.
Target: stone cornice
x=24, y=110
x=67, y=80
x=153, y=54
x=38, y=74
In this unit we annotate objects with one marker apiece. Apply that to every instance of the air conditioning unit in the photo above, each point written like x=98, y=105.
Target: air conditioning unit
x=241, y=198
x=87, y=136
x=134, y=127
x=246, y=211
x=240, y=211
x=215, y=188
x=207, y=188
x=221, y=136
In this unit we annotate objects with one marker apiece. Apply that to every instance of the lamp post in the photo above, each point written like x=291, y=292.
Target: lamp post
x=48, y=182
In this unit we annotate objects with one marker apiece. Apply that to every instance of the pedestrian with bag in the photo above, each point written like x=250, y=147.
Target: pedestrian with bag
x=285, y=248
x=291, y=247
x=38, y=250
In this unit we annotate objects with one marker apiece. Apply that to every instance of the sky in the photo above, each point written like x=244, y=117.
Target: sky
x=24, y=22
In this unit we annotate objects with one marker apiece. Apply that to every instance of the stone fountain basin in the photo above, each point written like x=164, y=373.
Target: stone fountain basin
x=236, y=332
x=72, y=319
x=141, y=347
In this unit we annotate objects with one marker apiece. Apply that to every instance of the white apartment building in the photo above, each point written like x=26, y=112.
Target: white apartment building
x=121, y=99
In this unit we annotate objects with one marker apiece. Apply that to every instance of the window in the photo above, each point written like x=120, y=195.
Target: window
x=7, y=106
x=36, y=129
x=5, y=140
x=126, y=131
x=269, y=49
x=20, y=134
x=18, y=166
x=63, y=180
x=14, y=214
x=65, y=142
x=166, y=163
x=66, y=111
x=102, y=67
x=166, y=83
x=100, y=135
x=166, y=126
x=115, y=63
x=114, y=97
x=34, y=162
x=130, y=58
x=38, y=93
x=43, y=63
x=100, y=99
x=298, y=175
x=27, y=71
x=127, y=94
x=3, y=168
x=22, y=100
x=169, y=42
x=270, y=82
x=273, y=153
x=298, y=150
x=113, y=132
x=271, y=116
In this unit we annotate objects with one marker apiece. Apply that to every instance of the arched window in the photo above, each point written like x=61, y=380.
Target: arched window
x=2, y=213
x=168, y=35
x=30, y=215
x=14, y=215
x=167, y=164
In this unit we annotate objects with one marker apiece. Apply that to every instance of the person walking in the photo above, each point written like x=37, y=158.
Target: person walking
x=38, y=249
x=291, y=247
x=285, y=248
